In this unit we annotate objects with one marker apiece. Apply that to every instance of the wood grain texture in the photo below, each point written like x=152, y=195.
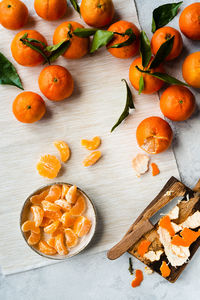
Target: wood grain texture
x=96, y=104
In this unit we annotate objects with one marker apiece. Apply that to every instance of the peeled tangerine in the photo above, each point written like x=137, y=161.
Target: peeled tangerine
x=60, y=245
x=64, y=150
x=92, y=158
x=93, y=144
x=54, y=193
x=65, y=189
x=82, y=226
x=52, y=227
x=38, y=214
x=45, y=248
x=79, y=207
x=68, y=220
x=37, y=199
x=71, y=238
x=30, y=226
x=64, y=205
x=50, y=206
x=48, y=166
x=71, y=195
x=34, y=238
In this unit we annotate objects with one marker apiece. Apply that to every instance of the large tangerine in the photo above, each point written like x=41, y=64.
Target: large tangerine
x=50, y=10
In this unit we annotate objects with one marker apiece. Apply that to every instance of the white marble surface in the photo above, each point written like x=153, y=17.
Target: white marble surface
x=94, y=277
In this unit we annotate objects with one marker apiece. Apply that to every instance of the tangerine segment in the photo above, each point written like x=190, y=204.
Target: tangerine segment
x=59, y=230
x=79, y=207
x=48, y=166
x=164, y=269
x=30, y=226
x=71, y=238
x=82, y=226
x=46, y=249
x=138, y=278
x=143, y=247
x=60, y=245
x=66, y=206
x=165, y=223
x=188, y=237
x=34, y=238
x=38, y=215
x=37, y=199
x=92, y=158
x=54, y=193
x=71, y=195
x=68, y=220
x=52, y=215
x=52, y=227
x=155, y=169
x=45, y=222
x=51, y=242
x=50, y=206
x=64, y=150
x=93, y=144
x=65, y=189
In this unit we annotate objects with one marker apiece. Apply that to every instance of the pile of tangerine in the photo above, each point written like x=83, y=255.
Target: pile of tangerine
x=57, y=222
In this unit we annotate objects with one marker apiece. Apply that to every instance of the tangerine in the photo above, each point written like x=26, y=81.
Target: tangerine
x=50, y=10
x=38, y=215
x=34, y=238
x=82, y=226
x=54, y=193
x=191, y=69
x=59, y=244
x=79, y=207
x=71, y=238
x=46, y=249
x=189, y=21
x=48, y=166
x=64, y=150
x=93, y=144
x=92, y=158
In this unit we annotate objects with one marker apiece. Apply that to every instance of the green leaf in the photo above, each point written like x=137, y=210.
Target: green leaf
x=84, y=32
x=75, y=6
x=162, y=53
x=8, y=73
x=25, y=36
x=57, y=50
x=145, y=49
x=101, y=38
x=163, y=14
x=164, y=77
x=129, y=41
x=130, y=266
x=129, y=105
x=141, y=84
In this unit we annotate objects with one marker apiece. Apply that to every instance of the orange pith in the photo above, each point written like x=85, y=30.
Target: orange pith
x=97, y=13
x=189, y=21
x=78, y=46
x=71, y=238
x=155, y=169
x=50, y=10
x=151, y=84
x=188, y=237
x=165, y=223
x=82, y=226
x=13, y=14
x=56, y=83
x=79, y=207
x=64, y=150
x=48, y=166
x=164, y=269
x=138, y=278
x=92, y=158
x=126, y=51
x=91, y=144
x=143, y=247
x=154, y=135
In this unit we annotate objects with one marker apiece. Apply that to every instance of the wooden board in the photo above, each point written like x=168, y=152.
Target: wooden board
x=96, y=104
x=178, y=189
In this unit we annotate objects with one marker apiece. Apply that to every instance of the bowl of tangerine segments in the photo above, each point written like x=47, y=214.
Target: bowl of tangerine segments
x=58, y=221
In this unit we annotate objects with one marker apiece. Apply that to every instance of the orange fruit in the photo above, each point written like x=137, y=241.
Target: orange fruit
x=68, y=220
x=38, y=215
x=46, y=249
x=65, y=189
x=97, y=13
x=23, y=54
x=93, y=144
x=78, y=46
x=13, y=14
x=191, y=69
x=64, y=150
x=82, y=226
x=56, y=83
x=52, y=227
x=71, y=195
x=51, y=242
x=30, y=226
x=162, y=35
x=52, y=215
x=92, y=158
x=64, y=205
x=59, y=244
x=189, y=21
x=54, y=193
x=50, y=10
x=151, y=84
x=154, y=135
x=79, y=207
x=126, y=51
x=34, y=238
x=177, y=103
x=48, y=166
x=46, y=221
x=71, y=238
x=28, y=107
x=36, y=199
x=50, y=206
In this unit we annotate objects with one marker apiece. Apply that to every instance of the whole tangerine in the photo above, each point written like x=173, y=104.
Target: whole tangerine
x=56, y=83
x=189, y=21
x=151, y=84
x=23, y=54
x=162, y=35
x=126, y=51
x=97, y=13
x=28, y=107
x=191, y=69
x=78, y=46
x=13, y=14
x=154, y=135
x=50, y=10
x=177, y=103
